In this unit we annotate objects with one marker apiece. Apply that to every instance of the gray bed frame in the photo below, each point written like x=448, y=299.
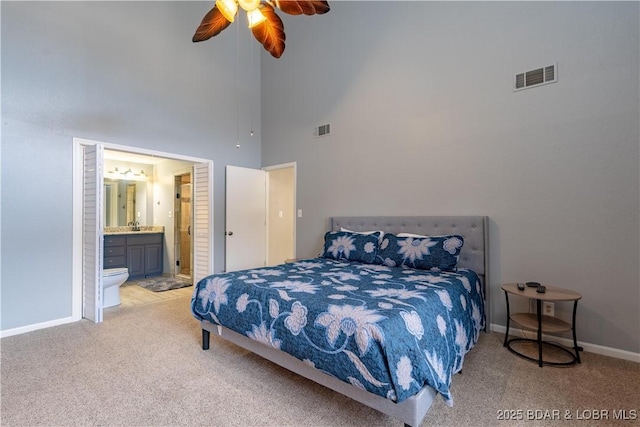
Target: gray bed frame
x=474, y=255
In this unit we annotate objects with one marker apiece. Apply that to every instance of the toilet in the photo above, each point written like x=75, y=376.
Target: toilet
x=112, y=278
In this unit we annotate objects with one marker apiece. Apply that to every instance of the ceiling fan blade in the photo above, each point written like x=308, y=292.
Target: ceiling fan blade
x=270, y=33
x=212, y=24
x=302, y=7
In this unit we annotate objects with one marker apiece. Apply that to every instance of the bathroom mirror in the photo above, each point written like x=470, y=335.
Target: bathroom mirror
x=124, y=202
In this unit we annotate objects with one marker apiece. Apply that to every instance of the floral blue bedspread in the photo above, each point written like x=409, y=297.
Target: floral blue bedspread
x=387, y=330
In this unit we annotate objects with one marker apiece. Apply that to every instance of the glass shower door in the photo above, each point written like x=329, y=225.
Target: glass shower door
x=184, y=226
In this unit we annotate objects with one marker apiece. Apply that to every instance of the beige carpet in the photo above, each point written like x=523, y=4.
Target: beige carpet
x=144, y=367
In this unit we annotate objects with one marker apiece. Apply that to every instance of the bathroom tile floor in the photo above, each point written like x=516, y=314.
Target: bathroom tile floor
x=134, y=295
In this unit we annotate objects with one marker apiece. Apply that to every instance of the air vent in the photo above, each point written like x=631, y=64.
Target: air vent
x=537, y=77
x=323, y=130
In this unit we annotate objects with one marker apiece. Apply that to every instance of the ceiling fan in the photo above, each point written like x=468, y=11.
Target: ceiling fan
x=265, y=24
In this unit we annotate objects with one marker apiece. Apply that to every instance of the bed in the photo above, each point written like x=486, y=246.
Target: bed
x=384, y=315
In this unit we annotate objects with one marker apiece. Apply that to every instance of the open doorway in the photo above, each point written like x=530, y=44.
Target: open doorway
x=183, y=226
x=260, y=226
x=89, y=215
x=281, y=213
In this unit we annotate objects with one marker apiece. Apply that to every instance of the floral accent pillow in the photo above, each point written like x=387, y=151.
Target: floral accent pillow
x=351, y=246
x=425, y=253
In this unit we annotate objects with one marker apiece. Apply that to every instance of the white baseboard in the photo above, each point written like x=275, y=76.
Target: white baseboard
x=36, y=326
x=593, y=348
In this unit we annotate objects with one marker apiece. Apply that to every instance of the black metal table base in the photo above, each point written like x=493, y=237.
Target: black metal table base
x=573, y=361
x=540, y=341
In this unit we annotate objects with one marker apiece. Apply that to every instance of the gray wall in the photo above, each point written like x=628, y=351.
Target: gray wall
x=119, y=72
x=424, y=121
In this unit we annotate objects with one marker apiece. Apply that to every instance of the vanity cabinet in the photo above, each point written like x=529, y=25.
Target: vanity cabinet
x=135, y=261
x=115, y=252
x=140, y=253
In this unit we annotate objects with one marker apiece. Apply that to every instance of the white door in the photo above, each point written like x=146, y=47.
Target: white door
x=245, y=231
x=92, y=233
x=202, y=206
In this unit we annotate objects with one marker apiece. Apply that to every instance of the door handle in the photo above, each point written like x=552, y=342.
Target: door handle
x=189, y=230
x=228, y=233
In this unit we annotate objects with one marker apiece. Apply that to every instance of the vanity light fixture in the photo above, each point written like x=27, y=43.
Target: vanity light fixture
x=265, y=24
x=128, y=174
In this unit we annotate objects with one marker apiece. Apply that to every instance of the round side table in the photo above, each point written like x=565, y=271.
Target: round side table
x=541, y=323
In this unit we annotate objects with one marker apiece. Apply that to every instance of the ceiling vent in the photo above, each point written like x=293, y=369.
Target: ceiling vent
x=322, y=130
x=537, y=77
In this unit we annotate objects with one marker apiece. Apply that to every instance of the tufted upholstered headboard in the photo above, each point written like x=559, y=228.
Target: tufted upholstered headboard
x=474, y=229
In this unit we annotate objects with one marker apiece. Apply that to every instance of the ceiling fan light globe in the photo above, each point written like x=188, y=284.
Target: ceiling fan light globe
x=249, y=5
x=255, y=17
x=228, y=8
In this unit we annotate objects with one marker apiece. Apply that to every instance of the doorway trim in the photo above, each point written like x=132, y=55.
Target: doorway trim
x=77, y=197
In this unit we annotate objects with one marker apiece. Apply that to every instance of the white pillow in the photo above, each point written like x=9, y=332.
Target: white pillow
x=419, y=236
x=364, y=232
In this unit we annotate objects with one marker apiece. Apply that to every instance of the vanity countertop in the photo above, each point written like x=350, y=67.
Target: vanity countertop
x=143, y=229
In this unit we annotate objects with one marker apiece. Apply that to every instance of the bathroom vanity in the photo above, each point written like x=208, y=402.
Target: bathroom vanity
x=139, y=251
